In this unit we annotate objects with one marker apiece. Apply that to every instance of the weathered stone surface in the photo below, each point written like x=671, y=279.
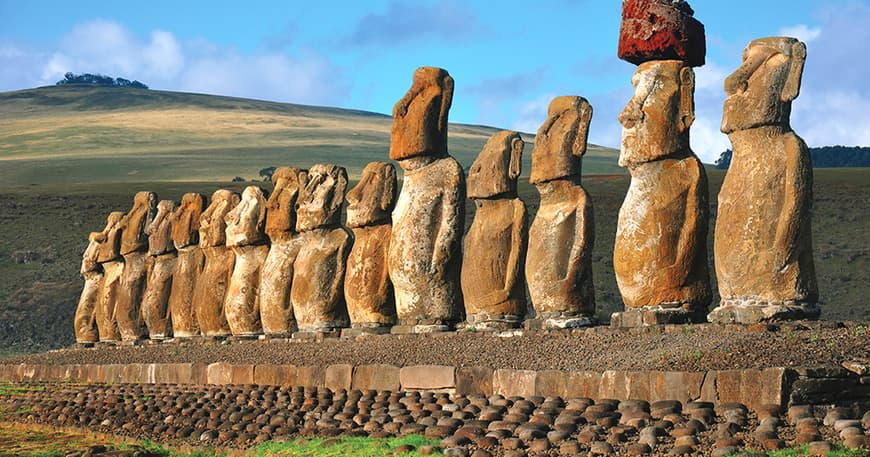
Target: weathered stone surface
x=185, y=237
x=427, y=377
x=583, y=384
x=134, y=248
x=683, y=386
x=155, y=299
x=339, y=377
x=317, y=292
x=85, y=323
x=552, y=383
x=494, y=249
x=276, y=309
x=514, y=382
x=660, y=255
x=420, y=117
x=660, y=30
x=311, y=376
x=376, y=377
x=561, y=237
x=474, y=380
x=367, y=286
x=275, y=375
x=245, y=236
x=770, y=167
x=211, y=288
x=425, y=247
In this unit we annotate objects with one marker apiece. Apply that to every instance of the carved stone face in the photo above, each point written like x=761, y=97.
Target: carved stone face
x=656, y=121
x=320, y=203
x=420, y=117
x=134, y=223
x=497, y=167
x=760, y=92
x=246, y=221
x=185, y=220
x=371, y=201
x=212, y=227
x=561, y=140
x=281, y=206
x=159, y=230
x=110, y=238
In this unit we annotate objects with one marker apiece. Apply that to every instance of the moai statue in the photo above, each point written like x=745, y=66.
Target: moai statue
x=494, y=254
x=425, y=246
x=763, y=241
x=110, y=261
x=211, y=287
x=317, y=292
x=660, y=254
x=134, y=248
x=245, y=236
x=559, y=259
x=276, y=309
x=155, y=301
x=85, y=323
x=367, y=286
x=185, y=238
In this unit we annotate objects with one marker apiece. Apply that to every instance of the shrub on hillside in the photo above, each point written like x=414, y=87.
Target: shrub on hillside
x=98, y=80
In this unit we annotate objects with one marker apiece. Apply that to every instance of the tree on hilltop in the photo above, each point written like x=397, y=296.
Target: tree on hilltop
x=98, y=80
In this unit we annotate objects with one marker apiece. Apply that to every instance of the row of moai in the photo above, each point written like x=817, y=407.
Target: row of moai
x=247, y=265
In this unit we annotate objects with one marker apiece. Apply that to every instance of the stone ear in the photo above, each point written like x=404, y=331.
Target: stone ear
x=582, y=135
x=795, y=71
x=687, y=98
x=388, y=197
x=446, y=102
x=515, y=167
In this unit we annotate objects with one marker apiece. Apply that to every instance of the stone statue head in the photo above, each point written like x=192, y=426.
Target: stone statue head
x=110, y=238
x=497, y=167
x=371, y=201
x=760, y=92
x=561, y=140
x=212, y=227
x=420, y=117
x=656, y=121
x=281, y=206
x=159, y=231
x=134, y=237
x=321, y=201
x=185, y=220
x=245, y=223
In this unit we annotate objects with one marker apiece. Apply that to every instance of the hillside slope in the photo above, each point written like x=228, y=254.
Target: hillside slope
x=86, y=134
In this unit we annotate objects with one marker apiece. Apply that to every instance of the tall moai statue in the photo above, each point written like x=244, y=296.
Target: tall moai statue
x=155, y=301
x=85, y=323
x=763, y=240
x=276, y=308
x=559, y=259
x=317, y=292
x=134, y=248
x=494, y=254
x=425, y=256
x=660, y=254
x=184, y=224
x=247, y=240
x=367, y=287
x=110, y=261
x=211, y=287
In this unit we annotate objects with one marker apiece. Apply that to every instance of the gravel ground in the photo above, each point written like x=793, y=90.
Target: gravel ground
x=680, y=348
x=242, y=416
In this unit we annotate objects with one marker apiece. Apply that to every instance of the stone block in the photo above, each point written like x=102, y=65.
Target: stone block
x=377, y=377
x=275, y=375
x=219, y=373
x=112, y=374
x=708, y=387
x=675, y=385
x=428, y=377
x=514, y=382
x=614, y=384
x=474, y=380
x=583, y=384
x=339, y=377
x=638, y=385
x=199, y=373
x=809, y=391
x=551, y=383
x=728, y=386
x=135, y=373
x=173, y=373
x=242, y=374
x=311, y=376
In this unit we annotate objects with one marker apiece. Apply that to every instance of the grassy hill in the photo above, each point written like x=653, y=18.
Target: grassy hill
x=87, y=134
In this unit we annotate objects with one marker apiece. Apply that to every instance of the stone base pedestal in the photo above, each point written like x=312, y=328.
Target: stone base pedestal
x=316, y=335
x=489, y=323
x=85, y=344
x=243, y=338
x=421, y=328
x=559, y=323
x=136, y=342
x=739, y=312
x=657, y=315
x=363, y=330
x=208, y=339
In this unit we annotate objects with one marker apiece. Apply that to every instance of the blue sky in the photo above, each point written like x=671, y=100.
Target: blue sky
x=508, y=58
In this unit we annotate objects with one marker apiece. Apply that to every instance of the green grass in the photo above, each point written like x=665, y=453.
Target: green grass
x=342, y=447
x=801, y=451
x=12, y=390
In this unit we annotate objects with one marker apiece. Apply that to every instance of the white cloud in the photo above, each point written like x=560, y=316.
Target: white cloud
x=802, y=32
x=163, y=62
x=531, y=114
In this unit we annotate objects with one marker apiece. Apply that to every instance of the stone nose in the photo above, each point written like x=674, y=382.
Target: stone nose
x=630, y=115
